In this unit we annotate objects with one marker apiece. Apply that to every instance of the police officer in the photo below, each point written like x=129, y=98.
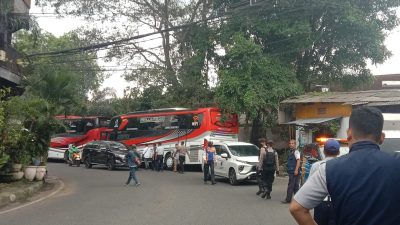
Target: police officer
x=293, y=170
x=363, y=185
x=324, y=212
x=269, y=165
x=261, y=142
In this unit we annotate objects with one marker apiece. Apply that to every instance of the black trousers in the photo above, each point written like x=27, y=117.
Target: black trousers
x=209, y=167
x=268, y=177
x=160, y=163
x=181, y=161
x=293, y=186
x=260, y=180
x=324, y=214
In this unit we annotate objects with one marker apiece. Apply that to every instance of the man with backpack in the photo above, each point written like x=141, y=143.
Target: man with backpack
x=268, y=164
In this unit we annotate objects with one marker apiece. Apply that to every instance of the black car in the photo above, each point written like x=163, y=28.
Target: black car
x=109, y=153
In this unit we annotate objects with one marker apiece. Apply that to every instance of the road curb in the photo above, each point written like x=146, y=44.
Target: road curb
x=20, y=194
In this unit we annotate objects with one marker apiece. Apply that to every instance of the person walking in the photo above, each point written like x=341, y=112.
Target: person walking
x=209, y=162
x=324, y=212
x=269, y=165
x=182, y=151
x=293, y=170
x=363, y=185
x=160, y=157
x=133, y=160
x=147, y=155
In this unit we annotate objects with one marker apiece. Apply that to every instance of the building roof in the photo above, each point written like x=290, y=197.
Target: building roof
x=371, y=97
x=386, y=81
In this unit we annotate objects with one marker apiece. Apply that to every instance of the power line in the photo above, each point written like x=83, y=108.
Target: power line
x=121, y=41
x=105, y=44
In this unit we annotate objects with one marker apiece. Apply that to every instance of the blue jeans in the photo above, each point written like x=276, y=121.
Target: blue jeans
x=209, y=169
x=132, y=175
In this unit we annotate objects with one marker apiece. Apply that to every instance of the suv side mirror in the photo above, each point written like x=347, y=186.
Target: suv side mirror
x=224, y=155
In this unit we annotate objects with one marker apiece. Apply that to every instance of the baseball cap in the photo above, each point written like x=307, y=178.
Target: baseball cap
x=332, y=146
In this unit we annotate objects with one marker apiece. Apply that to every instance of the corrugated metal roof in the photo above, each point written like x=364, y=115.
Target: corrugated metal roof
x=391, y=96
x=311, y=121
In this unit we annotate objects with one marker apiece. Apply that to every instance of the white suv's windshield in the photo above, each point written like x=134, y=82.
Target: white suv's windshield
x=391, y=145
x=244, y=150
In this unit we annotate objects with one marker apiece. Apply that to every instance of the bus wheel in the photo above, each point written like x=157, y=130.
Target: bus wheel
x=169, y=161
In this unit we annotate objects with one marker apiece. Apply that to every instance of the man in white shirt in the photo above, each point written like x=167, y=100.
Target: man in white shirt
x=147, y=155
x=160, y=158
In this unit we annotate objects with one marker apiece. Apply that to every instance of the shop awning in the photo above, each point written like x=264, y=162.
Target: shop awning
x=304, y=122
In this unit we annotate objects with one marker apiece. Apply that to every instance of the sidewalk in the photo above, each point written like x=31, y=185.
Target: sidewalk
x=18, y=191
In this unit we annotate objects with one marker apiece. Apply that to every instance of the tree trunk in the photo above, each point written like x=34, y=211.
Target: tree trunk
x=171, y=77
x=257, y=130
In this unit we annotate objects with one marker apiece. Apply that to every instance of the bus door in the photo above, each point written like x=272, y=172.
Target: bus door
x=105, y=135
x=195, y=153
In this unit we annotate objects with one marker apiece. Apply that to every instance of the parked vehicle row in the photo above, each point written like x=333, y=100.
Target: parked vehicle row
x=234, y=160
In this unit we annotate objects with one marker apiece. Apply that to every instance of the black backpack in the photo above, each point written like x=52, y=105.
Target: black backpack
x=269, y=160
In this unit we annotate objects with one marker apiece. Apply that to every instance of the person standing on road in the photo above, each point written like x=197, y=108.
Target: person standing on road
x=182, y=151
x=324, y=212
x=363, y=185
x=259, y=177
x=176, y=157
x=269, y=165
x=160, y=157
x=293, y=170
x=154, y=157
x=132, y=159
x=147, y=155
x=209, y=162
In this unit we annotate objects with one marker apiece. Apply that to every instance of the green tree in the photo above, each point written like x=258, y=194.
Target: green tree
x=328, y=42
x=64, y=80
x=177, y=60
x=253, y=83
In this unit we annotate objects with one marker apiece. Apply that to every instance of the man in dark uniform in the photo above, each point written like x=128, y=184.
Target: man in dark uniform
x=269, y=165
x=363, y=185
x=293, y=170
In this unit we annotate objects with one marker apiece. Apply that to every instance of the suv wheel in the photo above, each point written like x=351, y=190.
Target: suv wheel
x=232, y=177
x=88, y=164
x=110, y=164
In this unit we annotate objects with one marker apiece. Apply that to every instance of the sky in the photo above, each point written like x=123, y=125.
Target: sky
x=59, y=26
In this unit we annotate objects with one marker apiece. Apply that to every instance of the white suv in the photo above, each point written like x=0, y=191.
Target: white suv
x=392, y=141
x=236, y=161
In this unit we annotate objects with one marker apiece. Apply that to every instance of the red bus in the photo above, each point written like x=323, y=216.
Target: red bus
x=173, y=125
x=80, y=130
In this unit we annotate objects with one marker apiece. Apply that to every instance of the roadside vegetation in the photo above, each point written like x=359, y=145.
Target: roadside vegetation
x=240, y=57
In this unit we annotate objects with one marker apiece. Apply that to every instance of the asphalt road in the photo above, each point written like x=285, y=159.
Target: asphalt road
x=97, y=196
